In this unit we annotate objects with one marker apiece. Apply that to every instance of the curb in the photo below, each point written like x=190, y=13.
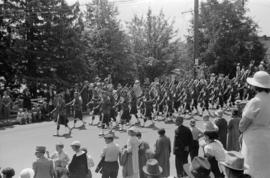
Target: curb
x=8, y=123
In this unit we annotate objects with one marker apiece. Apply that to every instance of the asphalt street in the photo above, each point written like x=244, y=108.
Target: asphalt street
x=18, y=143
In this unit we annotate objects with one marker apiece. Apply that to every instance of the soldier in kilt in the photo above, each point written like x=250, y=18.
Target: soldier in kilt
x=61, y=117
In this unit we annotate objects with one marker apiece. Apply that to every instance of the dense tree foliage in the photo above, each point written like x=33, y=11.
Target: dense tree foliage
x=41, y=39
x=154, y=44
x=227, y=36
x=107, y=46
x=51, y=41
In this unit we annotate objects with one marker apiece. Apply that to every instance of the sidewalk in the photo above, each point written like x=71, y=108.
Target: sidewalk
x=8, y=122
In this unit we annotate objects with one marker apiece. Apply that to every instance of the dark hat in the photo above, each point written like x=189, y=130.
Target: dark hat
x=41, y=149
x=161, y=131
x=235, y=112
x=200, y=167
x=152, y=168
x=179, y=119
x=234, y=160
x=8, y=172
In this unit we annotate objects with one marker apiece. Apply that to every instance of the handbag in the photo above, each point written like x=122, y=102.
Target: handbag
x=100, y=165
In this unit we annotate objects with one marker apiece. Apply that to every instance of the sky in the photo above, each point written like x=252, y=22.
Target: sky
x=179, y=11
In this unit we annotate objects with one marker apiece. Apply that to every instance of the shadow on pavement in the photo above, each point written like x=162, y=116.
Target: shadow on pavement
x=7, y=127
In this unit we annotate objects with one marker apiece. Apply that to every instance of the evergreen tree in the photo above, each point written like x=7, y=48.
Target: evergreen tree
x=227, y=36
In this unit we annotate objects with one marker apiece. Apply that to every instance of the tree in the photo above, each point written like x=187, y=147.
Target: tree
x=44, y=40
x=227, y=36
x=107, y=47
x=154, y=44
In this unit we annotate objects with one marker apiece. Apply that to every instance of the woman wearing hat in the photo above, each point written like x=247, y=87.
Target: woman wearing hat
x=213, y=149
x=255, y=125
x=133, y=148
x=152, y=169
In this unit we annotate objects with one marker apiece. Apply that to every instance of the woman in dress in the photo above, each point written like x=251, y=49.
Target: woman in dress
x=213, y=149
x=133, y=148
x=255, y=126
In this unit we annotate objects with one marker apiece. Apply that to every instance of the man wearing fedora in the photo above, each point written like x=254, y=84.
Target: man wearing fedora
x=182, y=144
x=234, y=165
x=42, y=167
x=152, y=169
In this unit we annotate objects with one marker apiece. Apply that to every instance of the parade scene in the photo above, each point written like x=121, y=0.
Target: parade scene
x=117, y=89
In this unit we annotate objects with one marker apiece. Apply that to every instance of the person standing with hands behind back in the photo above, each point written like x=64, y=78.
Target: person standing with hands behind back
x=182, y=143
x=42, y=167
x=110, y=155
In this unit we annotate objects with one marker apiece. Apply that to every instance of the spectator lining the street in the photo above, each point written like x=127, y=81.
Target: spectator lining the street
x=133, y=148
x=213, y=150
x=197, y=134
x=255, y=125
x=143, y=147
x=182, y=144
x=222, y=127
x=90, y=162
x=78, y=166
x=234, y=132
x=110, y=155
x=43, y=167
x=163, y=151
x=61, y=160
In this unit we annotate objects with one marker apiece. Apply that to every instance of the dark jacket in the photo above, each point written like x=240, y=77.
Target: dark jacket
x=182, y=140
x=222, y=130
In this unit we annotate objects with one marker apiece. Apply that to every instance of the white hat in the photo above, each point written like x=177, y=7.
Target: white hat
x=235, y=160
x=76, y=143
x=210, y=127
x=137, y=81
x=260, y=79
x=27, y=173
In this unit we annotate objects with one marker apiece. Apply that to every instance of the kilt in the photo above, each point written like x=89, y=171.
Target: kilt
x=62, y=120
x=78, y=114
x=133, y=110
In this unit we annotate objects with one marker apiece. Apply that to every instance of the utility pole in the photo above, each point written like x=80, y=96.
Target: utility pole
x=196, y=41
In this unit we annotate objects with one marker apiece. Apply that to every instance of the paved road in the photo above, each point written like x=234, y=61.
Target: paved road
x=18, y=143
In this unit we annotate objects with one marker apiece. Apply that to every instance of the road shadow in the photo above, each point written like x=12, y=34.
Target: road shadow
x=7, y=127
x=63, y=136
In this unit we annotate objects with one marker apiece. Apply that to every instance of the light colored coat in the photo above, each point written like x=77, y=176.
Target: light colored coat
x=256, y=138
x=133, y=148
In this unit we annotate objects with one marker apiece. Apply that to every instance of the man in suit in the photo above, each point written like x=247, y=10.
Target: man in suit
x=182, y=144
x=42, y=167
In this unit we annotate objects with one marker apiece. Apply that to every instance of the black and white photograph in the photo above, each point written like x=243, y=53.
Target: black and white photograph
x=134, y=89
